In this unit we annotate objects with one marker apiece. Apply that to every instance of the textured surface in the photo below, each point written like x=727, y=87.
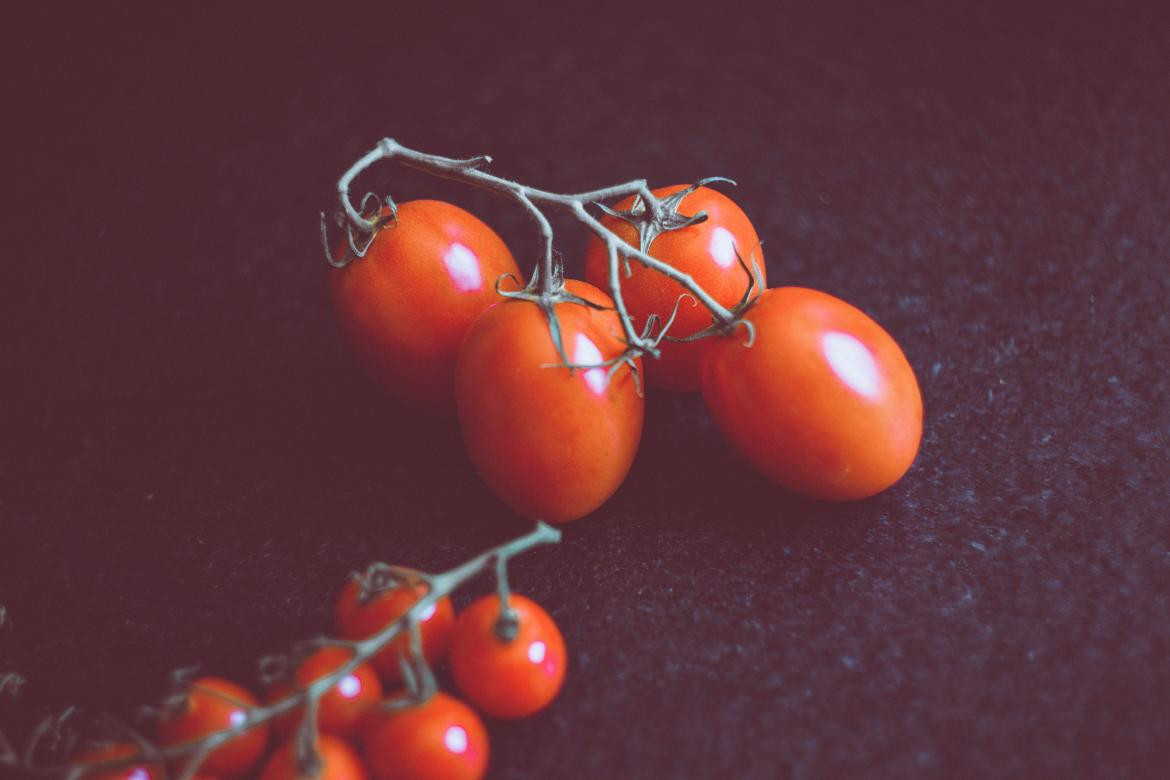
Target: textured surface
x=190, y=463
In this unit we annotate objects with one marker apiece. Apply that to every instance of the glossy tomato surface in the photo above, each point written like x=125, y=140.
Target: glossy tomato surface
x=824, y=402
x=442, y=739
x=552, y=443
x=343, y=709
x=338, y=762
x=706, y=252
x=213, y=704
x=406, y=305
x=513, y=678
x=358, y=620
x=118, y=750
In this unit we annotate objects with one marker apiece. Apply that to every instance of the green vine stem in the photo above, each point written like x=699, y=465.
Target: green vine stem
x=546, y=286
x=438, y=586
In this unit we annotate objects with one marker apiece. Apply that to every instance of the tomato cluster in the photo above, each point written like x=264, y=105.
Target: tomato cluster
x=813, y=392
x=504, y=674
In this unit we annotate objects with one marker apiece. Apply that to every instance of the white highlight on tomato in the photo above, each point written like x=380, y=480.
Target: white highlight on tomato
x=427, y=613
x=586, y=353
x=349, y=686
x=463, y=267
x=536, y=651
x=138, y=773
x=237, y=718
x=722, y=247
x=455, y=738
x=852, y=362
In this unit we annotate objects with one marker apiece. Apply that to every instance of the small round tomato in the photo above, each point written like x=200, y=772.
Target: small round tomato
x=341, y=711
x=823, y=402
x=407, y=303
x=442, y=738
x=358, y=620
x=338, y=762
x=551, y=442
x=508, y=678
x=117, y=750
x=706, y=252
x=212, y=705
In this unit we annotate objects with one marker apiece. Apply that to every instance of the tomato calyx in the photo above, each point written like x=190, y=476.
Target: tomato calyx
x=371, y=218
x=755, y=288
x=652, y=217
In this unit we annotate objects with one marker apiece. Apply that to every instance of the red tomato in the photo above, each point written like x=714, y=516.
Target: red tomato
x=338, y=762
x=406, y=305
x=823, y=402
x=552, y=443
x=441, y=738
x=358, y=621
x=213, y=705
x=343, y=709
x=706, y=252
x=508, y=679
x=116, y=750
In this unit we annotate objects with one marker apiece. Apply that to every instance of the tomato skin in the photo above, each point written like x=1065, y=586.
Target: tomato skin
x=550, y=443
x=510, y=679
x=703, y=251
x=441, y=738
x=338, y=762
x=406, y=305
x=340, y=712
x=823, y=403
x=358, y=621
x=117, y=750
x=214, y=704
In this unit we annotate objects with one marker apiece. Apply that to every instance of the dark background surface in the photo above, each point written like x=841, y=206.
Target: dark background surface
x=190, y=464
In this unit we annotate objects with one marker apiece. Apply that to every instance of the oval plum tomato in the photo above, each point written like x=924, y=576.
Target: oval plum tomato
x=211, y=705
x=707, y=252
x=508, y=678
x=117, y=750
x=338, y=762
x=407, y=303
x=823, y=402
x=341, y=711
x=442, y=738
x=358, y=620
x=551, y=442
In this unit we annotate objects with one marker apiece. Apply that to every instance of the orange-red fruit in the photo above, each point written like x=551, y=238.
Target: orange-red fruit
x=117, y=750
x=213, y=704
x=508, y=679
x=551, y=442
x=407, y=303
x=706, y=252
x=338, y=762
x=356, y=620
x=824, y=402
x=441, y=739
x=341, y=711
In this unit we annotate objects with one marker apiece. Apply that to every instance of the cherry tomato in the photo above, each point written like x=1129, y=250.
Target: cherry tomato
x=213, y=705
x=407, y=303
x=113, y=751
x=823, y=402
x=441, y=738
x=356, y=620
x=552, y=443
x=706, y=252
x=508, y=679
x=343, y=709
x=338, y=762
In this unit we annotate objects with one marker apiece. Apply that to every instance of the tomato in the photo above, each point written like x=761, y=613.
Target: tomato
x=442, y=738
x=338, y=762
x=823, y=402
x=213, y=705
x=407, y=303
x=508, y=679
x=356, y=620
x=343, y=709
x=551, y=442
x=706, y=252
x=117, y=750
